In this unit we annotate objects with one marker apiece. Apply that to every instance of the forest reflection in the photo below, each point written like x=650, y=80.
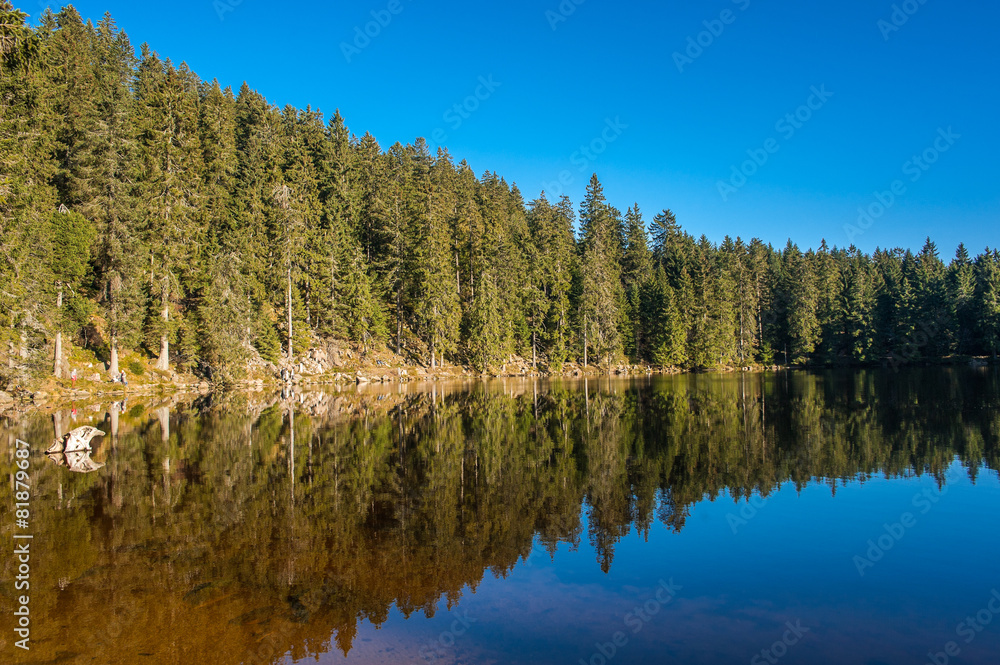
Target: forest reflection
x=239, y=528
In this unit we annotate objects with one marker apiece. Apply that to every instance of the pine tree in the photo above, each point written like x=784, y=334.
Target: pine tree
x=106, y=194
x=637, y=262
x=170, y=150
x=858, y=308
x=224, y=335
x=669, y=332
x=931, y=301
x=394, y=268
x=961, y=288
x=260, y=220
x=440, y=308
x=493, y=260
x=552, y=261
x=602, y=299
x=536, y=301
x=988, y=300
x=828, y=313
x=26, y=199
x=295, y=199
x=670, y=246
x=803, y=303
x=67, y=255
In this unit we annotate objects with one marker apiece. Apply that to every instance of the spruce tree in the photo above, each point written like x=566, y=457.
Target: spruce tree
x=637, y=262
x=66, y=256
x=988, y=301
x=602, y=296
x=961, y=288
x=171, y=159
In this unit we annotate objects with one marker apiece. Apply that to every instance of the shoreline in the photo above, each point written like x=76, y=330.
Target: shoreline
x=51, y=394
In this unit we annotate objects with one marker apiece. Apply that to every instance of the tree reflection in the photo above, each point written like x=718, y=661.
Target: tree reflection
x=242, y=527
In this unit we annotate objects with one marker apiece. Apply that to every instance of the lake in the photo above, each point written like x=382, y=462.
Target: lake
x=792, y=517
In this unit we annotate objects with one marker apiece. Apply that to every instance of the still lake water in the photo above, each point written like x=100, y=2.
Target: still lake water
x=835, y=517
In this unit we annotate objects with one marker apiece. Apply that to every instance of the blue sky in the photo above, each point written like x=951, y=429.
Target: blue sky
x=559, y=75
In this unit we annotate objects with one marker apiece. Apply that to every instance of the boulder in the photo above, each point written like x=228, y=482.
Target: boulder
x=5, y=397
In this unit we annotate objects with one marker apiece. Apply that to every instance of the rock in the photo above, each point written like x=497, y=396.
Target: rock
x=203, y=385
x=5, y=397
x=95, y=377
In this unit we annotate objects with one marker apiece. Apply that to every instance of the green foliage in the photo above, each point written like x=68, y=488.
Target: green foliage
x=177, y=215
x=136, y=368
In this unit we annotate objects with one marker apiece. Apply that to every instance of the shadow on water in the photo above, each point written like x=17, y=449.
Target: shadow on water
x=247, y=528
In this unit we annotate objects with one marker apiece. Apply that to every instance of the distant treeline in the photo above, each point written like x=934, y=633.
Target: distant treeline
x=142, y=207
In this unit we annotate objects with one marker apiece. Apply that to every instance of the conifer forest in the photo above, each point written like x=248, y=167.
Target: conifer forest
x=144, y=208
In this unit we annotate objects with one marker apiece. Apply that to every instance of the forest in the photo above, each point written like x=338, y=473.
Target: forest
x=144, y=208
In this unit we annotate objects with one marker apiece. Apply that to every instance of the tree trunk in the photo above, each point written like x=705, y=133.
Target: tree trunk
x=163, y=415
x=741, y=334
x=333, y=286
x=58, y=360
x=399, y=321
x=585, y=342
x=289, y=300
x=434, y=338
x=291, y=448
x=57, y=370
x=114, y=356
x=534, y=354
x=163, y=362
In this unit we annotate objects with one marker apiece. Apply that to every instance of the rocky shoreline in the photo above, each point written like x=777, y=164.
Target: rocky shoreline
x=335, y=365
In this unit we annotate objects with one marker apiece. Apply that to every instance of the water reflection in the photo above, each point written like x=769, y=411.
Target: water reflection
x=251, y=528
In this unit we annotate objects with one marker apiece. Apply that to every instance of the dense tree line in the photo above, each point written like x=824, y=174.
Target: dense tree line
x=141, y=207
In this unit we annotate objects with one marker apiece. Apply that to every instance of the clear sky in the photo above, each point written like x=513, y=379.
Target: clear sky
x=559, y=75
